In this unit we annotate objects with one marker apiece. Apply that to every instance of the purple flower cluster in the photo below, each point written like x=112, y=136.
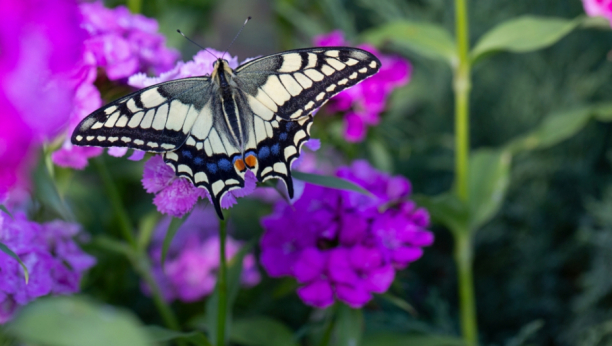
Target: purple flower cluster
x=363, y=103
x=193, y=258
x=121, y=44
x=40, y=43
x=345, y=245
x=176, y=196
x=54, y=261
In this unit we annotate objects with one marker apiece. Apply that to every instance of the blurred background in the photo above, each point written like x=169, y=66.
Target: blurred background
x=543, y=264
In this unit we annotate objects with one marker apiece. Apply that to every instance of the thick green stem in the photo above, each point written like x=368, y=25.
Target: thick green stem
x=222, y=285
x=467, y=302
x=113, y=193
x=463, y=239
x=462, y=85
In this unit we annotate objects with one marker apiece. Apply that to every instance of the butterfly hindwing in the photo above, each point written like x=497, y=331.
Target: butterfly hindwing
x=277, y=153
x=294, y=83
x=157, y=118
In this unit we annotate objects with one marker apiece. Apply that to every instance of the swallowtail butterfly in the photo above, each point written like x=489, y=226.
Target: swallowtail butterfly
x=212, y=129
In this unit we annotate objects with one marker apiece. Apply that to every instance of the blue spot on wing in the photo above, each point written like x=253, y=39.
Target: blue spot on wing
x=212, y=167
x=289, y=125
x=264, y=152
x=187, y=154
x=225, y=165
x=198, y=161
x=276, y=149
x=283, y=136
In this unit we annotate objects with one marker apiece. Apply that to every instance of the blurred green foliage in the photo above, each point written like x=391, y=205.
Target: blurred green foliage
x=543, y=263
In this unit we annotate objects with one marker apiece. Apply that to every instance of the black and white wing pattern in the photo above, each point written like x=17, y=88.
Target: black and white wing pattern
x=156, y=119
x=212, y=129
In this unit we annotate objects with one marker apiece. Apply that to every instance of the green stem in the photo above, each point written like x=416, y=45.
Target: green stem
x=222, y=284
x=144, y=269
x=117, y=204
x=135, y=6
x=467, y=303
x=331, y=324
x=463, y=239
x=462, y=85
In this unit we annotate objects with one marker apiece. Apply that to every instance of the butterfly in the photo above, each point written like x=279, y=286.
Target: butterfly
x=211, y=129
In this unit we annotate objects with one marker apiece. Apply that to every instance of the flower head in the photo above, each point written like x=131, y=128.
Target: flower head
x=176, y=196
x=598, y=8
x=345, y=245
x=193, y=258
x=364, y=102
x=54, y=261
x=40, y=44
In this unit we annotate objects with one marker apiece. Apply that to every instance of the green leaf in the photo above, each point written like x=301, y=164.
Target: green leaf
x=349, y=326
x=524, y=34
x=59, y=321
x=448, y=210
x=159, y=334
x=234, y=270
x=174, y=226
x=399, y=302
x=4, y=209
x=46, y=192
x=396, y=339
x=261, y=331
x=603, y=112
x=10, y=252
x=427, y=39
x=554, y=128
x=330, y=181
x=488, y=182
x=380, y=156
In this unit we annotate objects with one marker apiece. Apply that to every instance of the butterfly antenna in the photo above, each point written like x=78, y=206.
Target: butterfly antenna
x=239, y=31
x=192, y=41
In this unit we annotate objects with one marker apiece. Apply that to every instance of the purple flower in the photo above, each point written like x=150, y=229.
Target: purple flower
x=54, y=261
x=364, y=102
x=176, y=196
x=40, y=44
x=121, y=44
x=345, y=245
x=193, y=258
x=124, y=43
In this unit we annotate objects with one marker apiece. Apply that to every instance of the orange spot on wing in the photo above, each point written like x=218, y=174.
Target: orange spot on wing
x=251, y=161
x=239, y=164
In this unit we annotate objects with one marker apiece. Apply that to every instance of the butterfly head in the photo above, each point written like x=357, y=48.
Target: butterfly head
x=221, y=65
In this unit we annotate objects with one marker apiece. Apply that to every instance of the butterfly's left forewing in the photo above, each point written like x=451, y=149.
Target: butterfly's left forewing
x=157, y=118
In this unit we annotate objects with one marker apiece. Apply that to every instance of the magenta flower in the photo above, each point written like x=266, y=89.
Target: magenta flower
x=176, y=196
x=345, y=245
x=598, y=8
x=363, y=103
x=40, y=44
x=121, y=44
x=54, y=261
x=193, y=258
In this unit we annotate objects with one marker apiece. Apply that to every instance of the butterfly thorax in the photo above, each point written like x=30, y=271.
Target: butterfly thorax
x=223, y=77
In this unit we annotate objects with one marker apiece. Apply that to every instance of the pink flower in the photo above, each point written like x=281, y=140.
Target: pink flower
x=364, y=102
x=176, y=196
x=598, y=8
x=40, y=44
